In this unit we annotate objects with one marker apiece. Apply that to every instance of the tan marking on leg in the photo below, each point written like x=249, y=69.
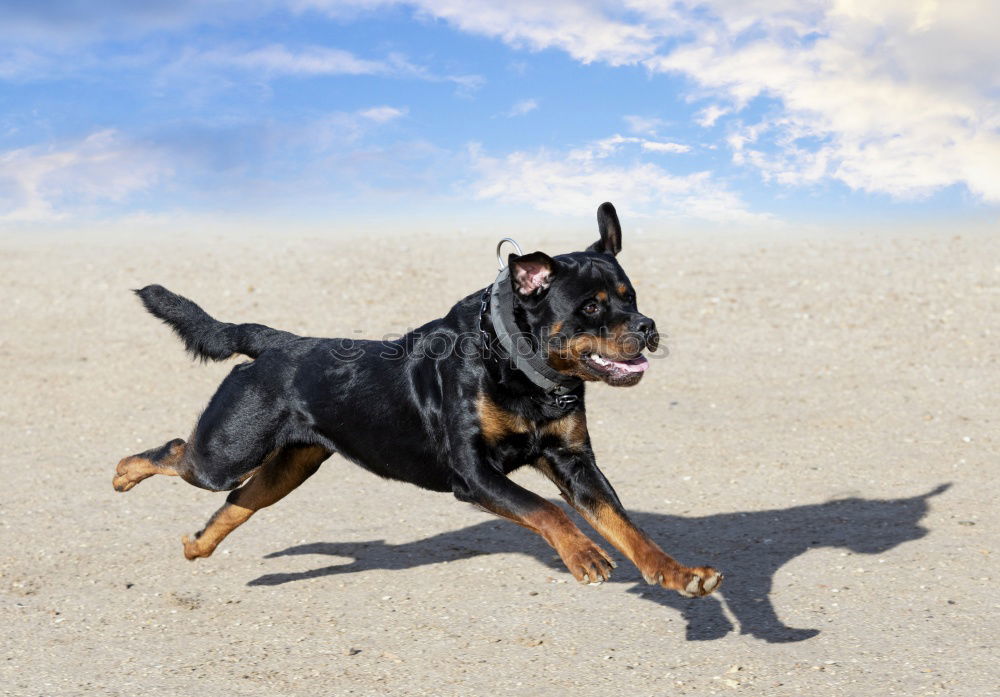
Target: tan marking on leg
x=656, y=566
x=275, y=479
x=133, y=469
x=630, y=540
x=496, y=422
x=583, y=558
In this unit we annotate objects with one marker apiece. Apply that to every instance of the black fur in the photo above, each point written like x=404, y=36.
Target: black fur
x=206, y=337
x=429, y=408
x=610, y=229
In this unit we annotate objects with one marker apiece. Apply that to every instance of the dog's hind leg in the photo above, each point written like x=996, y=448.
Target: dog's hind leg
x=280, y=473
x=233, y=436
x=167, y=459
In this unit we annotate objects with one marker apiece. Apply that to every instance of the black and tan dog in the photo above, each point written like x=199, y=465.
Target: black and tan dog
x=455, y=406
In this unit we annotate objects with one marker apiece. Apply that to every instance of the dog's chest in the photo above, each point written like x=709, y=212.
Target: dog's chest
x=515, y=440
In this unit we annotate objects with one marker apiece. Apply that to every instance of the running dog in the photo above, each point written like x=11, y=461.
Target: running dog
x=454, y=420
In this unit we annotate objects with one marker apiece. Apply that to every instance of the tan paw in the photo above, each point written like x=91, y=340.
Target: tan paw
x=702, y=581
x=129, y=472
x=194, y=550
x=689, y=582
x=589, y=563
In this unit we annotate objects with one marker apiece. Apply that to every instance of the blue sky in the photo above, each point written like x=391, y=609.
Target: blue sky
x=766, y=113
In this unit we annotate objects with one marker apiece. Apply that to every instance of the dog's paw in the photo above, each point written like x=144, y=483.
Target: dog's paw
x=128, y=473
x=691, y=583
x=589, y=564
x=701, y=582
x=193, y=549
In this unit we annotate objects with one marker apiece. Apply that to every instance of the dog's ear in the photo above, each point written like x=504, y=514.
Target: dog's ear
x=611, y=231
x=531, y=274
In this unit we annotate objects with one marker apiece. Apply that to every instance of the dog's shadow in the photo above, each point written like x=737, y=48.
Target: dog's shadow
x=748, y=547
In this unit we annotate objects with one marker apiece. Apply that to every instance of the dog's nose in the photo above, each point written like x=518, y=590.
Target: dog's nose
x=646, y=328
x=644, y=325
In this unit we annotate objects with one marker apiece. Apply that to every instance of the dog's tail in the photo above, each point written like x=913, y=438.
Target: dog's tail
x=206, y=337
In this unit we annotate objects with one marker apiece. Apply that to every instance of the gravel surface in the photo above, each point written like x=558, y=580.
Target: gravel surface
x=823, y=431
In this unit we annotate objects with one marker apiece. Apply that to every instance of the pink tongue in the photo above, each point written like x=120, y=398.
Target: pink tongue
x=636, y=365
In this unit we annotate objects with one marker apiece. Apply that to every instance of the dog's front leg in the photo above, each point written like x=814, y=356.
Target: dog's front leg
x=586, y=488
x=493, y=491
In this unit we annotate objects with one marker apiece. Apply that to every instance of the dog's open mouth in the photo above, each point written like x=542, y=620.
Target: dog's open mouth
x=609, y=368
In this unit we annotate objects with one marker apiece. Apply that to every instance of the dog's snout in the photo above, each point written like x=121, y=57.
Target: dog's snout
x=646, y=328
x=643, y=325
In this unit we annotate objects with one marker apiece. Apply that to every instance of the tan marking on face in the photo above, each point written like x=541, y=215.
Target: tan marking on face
x=622, y=289
x=567, y=358
x=601, y=295
x=496, y=423
x=556, y=328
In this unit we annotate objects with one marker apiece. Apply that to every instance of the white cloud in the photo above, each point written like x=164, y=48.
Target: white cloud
x=382, y=114
x=644, y=125
x=609, y=146
x=587, y=31
x=658, y=146
x=43, y=184
x=567, y=183
x=889, y=98
x=707, y=117
x=277, y=60
x=522, y=107
x=103, y=171
x=899, y=97
x=337, y=129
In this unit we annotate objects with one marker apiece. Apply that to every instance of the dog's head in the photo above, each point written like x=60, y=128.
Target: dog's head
x=581, y=308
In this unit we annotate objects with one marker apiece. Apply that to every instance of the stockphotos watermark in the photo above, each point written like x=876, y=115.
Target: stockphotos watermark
x=439, y=345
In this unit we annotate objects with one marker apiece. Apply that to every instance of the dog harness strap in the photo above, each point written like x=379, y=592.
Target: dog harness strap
x=519, y=349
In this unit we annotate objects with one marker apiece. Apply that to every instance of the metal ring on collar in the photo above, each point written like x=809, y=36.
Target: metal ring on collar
x=517, y=247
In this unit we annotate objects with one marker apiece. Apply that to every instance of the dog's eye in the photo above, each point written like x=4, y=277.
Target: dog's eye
x=591, y=308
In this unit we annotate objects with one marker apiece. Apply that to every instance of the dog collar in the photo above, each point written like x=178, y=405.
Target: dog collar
x=524, y=358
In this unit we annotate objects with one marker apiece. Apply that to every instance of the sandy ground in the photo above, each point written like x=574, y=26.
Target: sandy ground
x=823, y=430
